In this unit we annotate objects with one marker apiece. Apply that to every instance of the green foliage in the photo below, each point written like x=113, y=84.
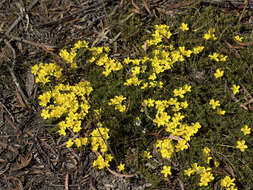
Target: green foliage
x=219, y=132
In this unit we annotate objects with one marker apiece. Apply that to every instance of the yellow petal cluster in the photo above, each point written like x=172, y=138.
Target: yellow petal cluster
x=166, y=171
x=102, y=162
x=228, y=183
x=210, y=34
x=246, y=130
x=206, y=175
x=117, y=102
x=44, y=72
x=241, y=145
x=99, y=137
x=219, y=73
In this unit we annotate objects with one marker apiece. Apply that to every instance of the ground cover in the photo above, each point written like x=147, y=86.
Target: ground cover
x=166, y=101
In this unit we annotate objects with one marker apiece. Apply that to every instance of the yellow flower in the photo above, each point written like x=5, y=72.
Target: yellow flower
x=238, y=38
x=221, y=112
x=198, y=49
x=227, y=182
x=45, y=98
x=207, y=36
x=77, y=142
x=152, y=76
x=166, y=171
x=246, y=130
x=219, y=73
x=241, y=145
x=184, y=27
x=84, y=141
x=223, y=58
x=214, y=56
x=117, y=100
x=235, y=89
x=69, y=143
x=147, y=155
x=189, y=172
x=121, y=167
x=179, y=92
x=206, y=177
x=214, y=103
x=206, y=153
x=181, y=145
x=210, y=34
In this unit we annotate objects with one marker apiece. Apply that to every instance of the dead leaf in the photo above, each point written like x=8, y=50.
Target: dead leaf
x=136, y=7
x=181, y=184
x=29, y=83
x=6, y=117
x=67, y=182
x=20, y=186
x=8, y=147
x=20, y=99
x=146, y=5
x=230, y=170
x=244, y=43
x=25, y=163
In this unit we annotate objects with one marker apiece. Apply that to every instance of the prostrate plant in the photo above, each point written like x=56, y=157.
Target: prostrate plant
x=99, y=107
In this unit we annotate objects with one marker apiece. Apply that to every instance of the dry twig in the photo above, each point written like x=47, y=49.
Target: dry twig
x=246, y=3
x=11, y=71
x=19, y=18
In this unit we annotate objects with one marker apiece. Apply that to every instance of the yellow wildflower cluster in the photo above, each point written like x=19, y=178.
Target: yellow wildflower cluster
x=82, y=141
x=117, y=102
x=181, y=91
x=206, y=154
x=147, y=155
x=99, y=137
x=102, y=162
x=68, y=101
x=45, y=71
x=172, y=123
x=238, y=38
x=135, y=71
x=215, y=104
x=241, y=144
x=165, y=147
x=206, y=175
x=101, y=58
x=228, y=183
x=210, y=34
x=161, y=31
x=218, y=57
x=162, y=58
x=197, y=50
x=70, y=56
